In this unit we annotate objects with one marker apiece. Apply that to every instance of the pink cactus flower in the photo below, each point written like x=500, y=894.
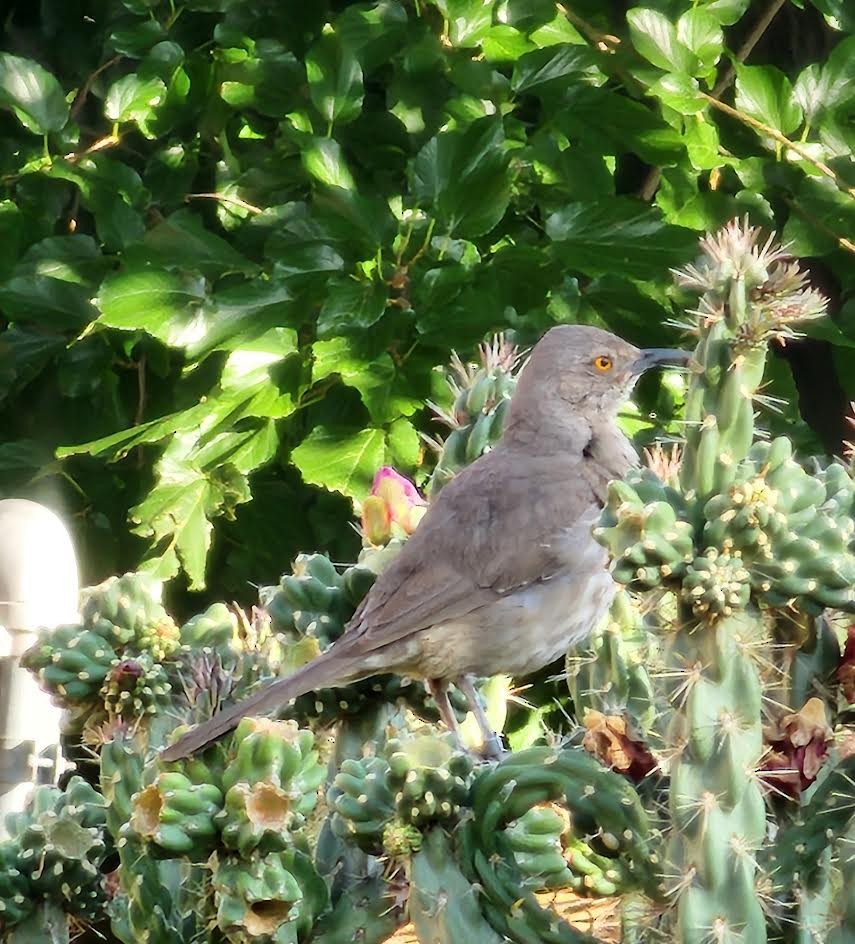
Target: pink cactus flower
x=393, y=509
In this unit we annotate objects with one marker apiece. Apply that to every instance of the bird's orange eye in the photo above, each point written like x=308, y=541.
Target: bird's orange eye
x=603, y=363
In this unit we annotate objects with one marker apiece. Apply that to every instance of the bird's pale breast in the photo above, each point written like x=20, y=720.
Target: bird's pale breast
x=530, y=627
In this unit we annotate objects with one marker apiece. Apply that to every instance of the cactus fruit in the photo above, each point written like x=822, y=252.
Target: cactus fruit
x=477, y=416
x=176, y=816
x=135, y=687
x=315, y=600
x=362, y=802
x=267, y=898
x=270, y=784
x=429, y=778
x=400, y=840
x=716, y=583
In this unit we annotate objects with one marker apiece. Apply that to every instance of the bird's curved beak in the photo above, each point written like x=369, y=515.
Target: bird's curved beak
x=654, y=356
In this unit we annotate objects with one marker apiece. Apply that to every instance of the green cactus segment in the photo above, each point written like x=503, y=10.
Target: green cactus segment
x=267, y=898
x=603, y=807
x=60, y=844
x=71, y=662
x=156, y=905
x=644, y=526
x=271, y=784
x=429, y=778
x=844, y=932
x=369, y=912
x=216, y=628
x=400, y=840
x=309, y=609
x=122, y=620
x=16, y=896
x=176, y=815
x=796, y=856
x=136, y=687
x=550, y=856
x=122, y=769
x=717, y=809
x=482, y=396
x=609, y=671
x=443, y=905
x=131, y=605
x=793, y=530
x=750, y=294
x=315, y=600
x=362, y=802
x=716, y=584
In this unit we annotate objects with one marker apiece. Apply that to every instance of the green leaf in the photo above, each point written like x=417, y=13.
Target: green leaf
x=467, y=21
x=33, y=94
x=463, y=177
x=403, y=445
x=324, y=160
x=133, y=98
x=352, y=305
x=765, y=93
x=542, y=66
x=726, y=12
x=340, y=459
x=679, y=92
x=505, y=44
x=335, y=80
x=242, y=313
x=620, y=235
x=23, y=354
x=372, y=32
x=375, y=378
x=701, y=33
x=654, y=36
x=702, y=144
x=177, y=511
x=46, y=301
x=246, y=389
x=164, y=304
x=615, y=124
x=183, y=241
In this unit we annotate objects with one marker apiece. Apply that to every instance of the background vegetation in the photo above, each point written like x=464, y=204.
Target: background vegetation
x=236, y=238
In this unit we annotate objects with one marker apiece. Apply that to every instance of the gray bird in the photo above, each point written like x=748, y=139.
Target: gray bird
x=502, y=573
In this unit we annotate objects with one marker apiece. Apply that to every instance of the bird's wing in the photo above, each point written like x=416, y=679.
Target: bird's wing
x=496, y=527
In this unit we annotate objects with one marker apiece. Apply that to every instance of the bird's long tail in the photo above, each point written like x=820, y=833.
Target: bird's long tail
x=326, y=671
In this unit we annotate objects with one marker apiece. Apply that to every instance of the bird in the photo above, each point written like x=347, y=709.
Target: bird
x=502, y=574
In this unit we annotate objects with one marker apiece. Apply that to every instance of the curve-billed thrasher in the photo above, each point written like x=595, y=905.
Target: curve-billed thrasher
x=502, y=574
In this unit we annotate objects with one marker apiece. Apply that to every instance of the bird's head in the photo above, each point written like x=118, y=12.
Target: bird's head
x=584, y=371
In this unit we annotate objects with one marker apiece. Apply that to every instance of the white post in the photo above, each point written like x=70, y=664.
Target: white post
x=38, y=587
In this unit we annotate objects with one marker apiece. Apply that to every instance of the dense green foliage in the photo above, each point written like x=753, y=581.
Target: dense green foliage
x=237, y=237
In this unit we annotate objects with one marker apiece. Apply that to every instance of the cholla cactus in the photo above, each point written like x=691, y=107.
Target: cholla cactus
x=753, y=539
x=713, y=698
x=477, y=417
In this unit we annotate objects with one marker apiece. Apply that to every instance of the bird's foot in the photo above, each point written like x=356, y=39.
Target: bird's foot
x=492, y=748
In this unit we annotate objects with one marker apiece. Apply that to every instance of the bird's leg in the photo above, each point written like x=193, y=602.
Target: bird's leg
x=439, y=690
x=492, y=747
